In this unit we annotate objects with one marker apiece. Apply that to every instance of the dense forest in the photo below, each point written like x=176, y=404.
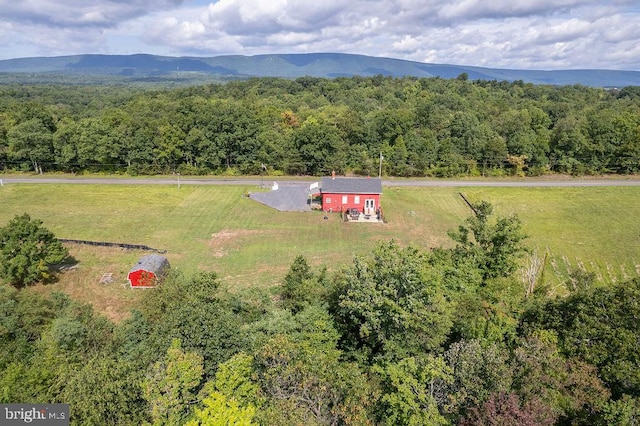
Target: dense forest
x=400, y=336
x=312, y=126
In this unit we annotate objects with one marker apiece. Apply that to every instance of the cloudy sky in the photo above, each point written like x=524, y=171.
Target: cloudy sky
x=529, y=34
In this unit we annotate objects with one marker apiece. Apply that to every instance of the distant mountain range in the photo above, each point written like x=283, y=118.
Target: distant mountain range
x=328, y=65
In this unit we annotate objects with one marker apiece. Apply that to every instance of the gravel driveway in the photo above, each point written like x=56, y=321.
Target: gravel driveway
x=289, y=197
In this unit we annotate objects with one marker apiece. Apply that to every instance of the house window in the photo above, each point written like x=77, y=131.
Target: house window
x=356, y=199
x=328, y=200
x=345, y=199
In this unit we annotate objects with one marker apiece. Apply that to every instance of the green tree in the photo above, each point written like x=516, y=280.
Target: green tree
x=222, y=411
x=391, y=304
x=169, y=147
x=570, y=146
x=77, y=331
x=302, y=376
x=321, y=147
x=53, y=340
x=570, y=387
x=98, y=141
x=489, y=314
x=295, y=291
x=171, y=385
x=23, y=315
x=494, y=149
x=526, y=133
x=64, y=145
x=236, y=379
x=106, y=391
x=387, y=124
x=27, y=251
x=31, y=142
x=478, y=371
x=301, y=286
x=232, y=398
x=599, y=326
x=206, y=318
x=23, y=318
x=399, y=157
x=494, y=247
x=414, y=390
x=305, y=382
x=621, y=412
x=230, y=131
x=467, y=135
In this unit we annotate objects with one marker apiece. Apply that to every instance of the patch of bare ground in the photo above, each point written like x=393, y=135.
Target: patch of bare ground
x=223, y=241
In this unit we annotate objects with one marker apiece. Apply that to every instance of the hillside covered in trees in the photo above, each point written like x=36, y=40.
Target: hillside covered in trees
x=184, y=70
x=312, y=126
x=400, y=336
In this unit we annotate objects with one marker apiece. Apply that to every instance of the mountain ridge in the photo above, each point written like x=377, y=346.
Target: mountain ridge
x=327, y=65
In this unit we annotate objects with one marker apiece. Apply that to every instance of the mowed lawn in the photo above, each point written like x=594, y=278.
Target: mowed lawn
x=216, y=228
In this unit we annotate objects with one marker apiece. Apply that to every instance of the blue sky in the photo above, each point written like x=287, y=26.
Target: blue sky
x=528, y=34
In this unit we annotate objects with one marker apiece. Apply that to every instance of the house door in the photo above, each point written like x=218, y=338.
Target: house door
x=370, y=206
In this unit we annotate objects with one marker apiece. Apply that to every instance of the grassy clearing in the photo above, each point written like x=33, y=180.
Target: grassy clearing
x=215, y=228
x=591, y=228
x=82, y=283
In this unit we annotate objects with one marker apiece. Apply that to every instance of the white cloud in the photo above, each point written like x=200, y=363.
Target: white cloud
x=540, y=34
x=66, y=13
x=407, y=44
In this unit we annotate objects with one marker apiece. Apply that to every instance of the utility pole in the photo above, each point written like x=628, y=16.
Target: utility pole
x=380, y=169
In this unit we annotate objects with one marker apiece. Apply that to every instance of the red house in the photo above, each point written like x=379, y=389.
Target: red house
x=342, y=193
x=148, y=272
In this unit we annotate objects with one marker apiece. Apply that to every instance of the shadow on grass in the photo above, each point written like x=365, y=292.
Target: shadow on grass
x=70, y=263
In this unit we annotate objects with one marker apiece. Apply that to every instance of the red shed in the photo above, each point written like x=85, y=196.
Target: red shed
x=148, y=271
x=342, y=193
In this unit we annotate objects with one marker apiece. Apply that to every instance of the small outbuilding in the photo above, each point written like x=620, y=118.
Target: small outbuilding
x=149, y=271
x=340, y=194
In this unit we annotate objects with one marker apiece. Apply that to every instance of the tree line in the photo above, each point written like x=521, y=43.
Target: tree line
x=312, y=126
x=399, y=336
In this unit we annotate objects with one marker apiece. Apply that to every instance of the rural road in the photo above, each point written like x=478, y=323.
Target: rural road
x=530, y=182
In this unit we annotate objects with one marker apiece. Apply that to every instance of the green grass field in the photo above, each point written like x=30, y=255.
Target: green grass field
x=215, y=228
